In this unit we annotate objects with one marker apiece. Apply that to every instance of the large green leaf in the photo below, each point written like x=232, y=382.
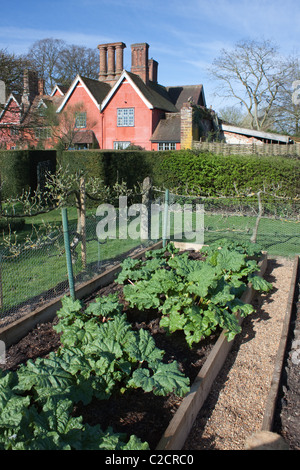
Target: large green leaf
x=166, y=379
x=144, y=348
x=260, y=284
x=202, y=280
x=45, y=376
x=105, y=306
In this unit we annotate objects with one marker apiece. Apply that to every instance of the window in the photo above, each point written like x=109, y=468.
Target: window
x=125, y=117
x=80, y=120
x=42, y=133
x=14, y=131
x=167, y=146
x=121, y=145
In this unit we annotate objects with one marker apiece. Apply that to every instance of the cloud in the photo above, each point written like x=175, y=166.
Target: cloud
x=19, y=40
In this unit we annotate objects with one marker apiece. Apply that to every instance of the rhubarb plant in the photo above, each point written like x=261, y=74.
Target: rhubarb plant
x=196, y=296
x=100, y=355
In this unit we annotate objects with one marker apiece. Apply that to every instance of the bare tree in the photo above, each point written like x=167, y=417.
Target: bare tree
x=44, y=56
x=252, y=74
x=232, y=115
x=78, y=60
x=59, y=62
x=286, y=112
x=11, y=71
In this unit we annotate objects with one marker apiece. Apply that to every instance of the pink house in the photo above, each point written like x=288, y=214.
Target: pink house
x=120, y=109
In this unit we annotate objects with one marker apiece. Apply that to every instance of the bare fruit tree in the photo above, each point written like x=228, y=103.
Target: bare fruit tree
x=252, y=74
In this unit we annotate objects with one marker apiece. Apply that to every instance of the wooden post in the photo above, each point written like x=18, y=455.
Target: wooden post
x=146, y=211
x=83, y=222
x=260, y=212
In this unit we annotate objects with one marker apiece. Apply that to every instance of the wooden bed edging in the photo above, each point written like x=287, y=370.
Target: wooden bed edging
x=180, y=425
x=268, y=418
x=15, y=331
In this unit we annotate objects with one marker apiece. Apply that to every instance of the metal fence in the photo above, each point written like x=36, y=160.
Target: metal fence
x=222, y=148
x=34, y=272
x=270, y=221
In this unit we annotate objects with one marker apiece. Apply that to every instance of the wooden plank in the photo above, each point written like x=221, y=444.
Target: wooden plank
x=188, y=245
x=270, y=407
x=13, y=332
x=179, y=427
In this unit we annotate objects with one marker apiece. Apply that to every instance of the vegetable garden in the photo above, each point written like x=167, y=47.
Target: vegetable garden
x=138, y=340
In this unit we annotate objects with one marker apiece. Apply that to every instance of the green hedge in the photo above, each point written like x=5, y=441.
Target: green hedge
x=217, y=174
x=18, y=169
x=189, y=171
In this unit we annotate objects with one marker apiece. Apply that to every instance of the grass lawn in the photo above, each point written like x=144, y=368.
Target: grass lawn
x=36, y=271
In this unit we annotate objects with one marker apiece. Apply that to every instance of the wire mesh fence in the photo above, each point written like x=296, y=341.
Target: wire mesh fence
x=34, y=272
x=272, y=222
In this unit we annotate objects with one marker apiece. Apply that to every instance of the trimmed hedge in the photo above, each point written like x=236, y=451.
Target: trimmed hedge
x=207, y=173
x=18, y=169
x=189, y=171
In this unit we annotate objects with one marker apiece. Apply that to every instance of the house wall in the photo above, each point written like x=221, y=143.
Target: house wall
x=11, y=115
x=232, y=138
x=144, y=119
x=82, y=102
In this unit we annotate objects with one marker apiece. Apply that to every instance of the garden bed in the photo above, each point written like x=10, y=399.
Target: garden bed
x=137, y=412
x=238, y=406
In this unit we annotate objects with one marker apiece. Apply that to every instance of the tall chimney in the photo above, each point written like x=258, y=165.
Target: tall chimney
x=30, y=86
x=2, y=92
x=41, y=86
x=103, y=62
x=139, y=60
x=111, y=61
x=153, y=66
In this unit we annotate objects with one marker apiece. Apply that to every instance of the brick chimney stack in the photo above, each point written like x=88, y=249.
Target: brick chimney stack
x=139, y=61
x=41, y=86
x=30, y=87
x=111, y=61
x=153, y=67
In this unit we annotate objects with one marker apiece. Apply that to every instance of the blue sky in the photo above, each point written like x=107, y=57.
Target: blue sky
x=184, y=35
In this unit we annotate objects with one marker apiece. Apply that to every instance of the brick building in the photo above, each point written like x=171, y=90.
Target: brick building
x=119, y=109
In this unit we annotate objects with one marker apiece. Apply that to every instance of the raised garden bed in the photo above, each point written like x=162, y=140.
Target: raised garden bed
x=134, y=413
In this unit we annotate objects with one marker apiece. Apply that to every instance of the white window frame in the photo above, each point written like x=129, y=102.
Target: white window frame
x=121, y=145
x=14, y=131
x=125, y=117
x=80, y=120
x=42, y=133
x=167, y=146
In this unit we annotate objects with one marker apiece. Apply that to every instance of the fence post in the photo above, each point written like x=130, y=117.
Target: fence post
x=260, y=212
x=68, y=252
x=165, y=226
x=146, y=209
x=83, y=222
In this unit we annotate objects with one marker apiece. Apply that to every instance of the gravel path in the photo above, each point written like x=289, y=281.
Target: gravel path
x=234, y=409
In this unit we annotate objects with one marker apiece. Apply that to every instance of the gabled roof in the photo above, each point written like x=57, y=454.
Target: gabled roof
x=186, y=93
x=38, y=102
x=153, y=95
x=168, y=129
x=62, y=90
x=254, y=133
x=12, y=97
x=95, y=89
